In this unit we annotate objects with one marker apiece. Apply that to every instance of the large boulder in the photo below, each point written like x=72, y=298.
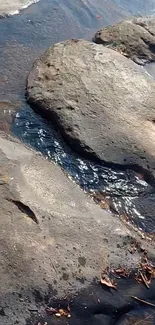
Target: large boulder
x=133, y=38
x=103, y=103
x=54, y=241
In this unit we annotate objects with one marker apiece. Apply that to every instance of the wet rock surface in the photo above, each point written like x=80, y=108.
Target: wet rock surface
x=134, y=39
x=102, y=102
x=54, y=240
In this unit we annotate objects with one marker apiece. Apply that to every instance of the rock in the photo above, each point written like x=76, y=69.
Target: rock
x=103, y=103
x=54, y=239
x=133, y=38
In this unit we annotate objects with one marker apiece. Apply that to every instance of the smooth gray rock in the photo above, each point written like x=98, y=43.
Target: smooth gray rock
x=66, y=221
x=103, y=103
x=133, y=38
x=68, y=243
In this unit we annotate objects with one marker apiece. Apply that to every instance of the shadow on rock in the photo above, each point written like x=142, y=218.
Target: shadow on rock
x=99, y=305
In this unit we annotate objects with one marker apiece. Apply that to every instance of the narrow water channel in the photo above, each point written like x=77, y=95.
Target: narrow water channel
x=122, y=191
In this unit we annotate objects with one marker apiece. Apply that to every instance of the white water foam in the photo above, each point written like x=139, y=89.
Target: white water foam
x=10, y=7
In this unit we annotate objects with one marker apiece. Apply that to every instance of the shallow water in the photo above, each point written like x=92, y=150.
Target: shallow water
x=120, y=189
x=23, y=38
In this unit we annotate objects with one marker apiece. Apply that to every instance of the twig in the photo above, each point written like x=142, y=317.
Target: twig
x=33, y=310
x=144, y=301
x=144, y=280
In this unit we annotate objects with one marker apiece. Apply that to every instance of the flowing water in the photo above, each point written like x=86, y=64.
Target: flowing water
x=116, y=189
x=23, y=38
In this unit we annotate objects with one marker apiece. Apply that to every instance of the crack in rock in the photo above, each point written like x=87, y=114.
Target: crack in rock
x=24, y=209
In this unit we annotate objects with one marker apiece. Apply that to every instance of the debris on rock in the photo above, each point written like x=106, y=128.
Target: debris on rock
x=105, y=280
x=59, y=312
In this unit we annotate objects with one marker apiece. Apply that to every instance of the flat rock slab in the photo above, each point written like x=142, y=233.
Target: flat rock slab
x=54, y=239
x=134, y=39
x=103, y=103
x=11, y=7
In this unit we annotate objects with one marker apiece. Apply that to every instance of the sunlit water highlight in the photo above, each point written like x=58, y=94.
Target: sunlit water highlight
x=120, y=188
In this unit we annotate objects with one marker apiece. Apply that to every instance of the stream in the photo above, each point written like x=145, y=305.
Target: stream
x=23, y=38
x=122, y=191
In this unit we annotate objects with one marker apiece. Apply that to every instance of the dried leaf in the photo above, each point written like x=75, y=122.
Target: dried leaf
x=146, y=272
x=105, y=280
x=59, y=312
x=153, y=273
x=51, y=310
x=138, y=278
x=104, y=205
x=122, y=272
